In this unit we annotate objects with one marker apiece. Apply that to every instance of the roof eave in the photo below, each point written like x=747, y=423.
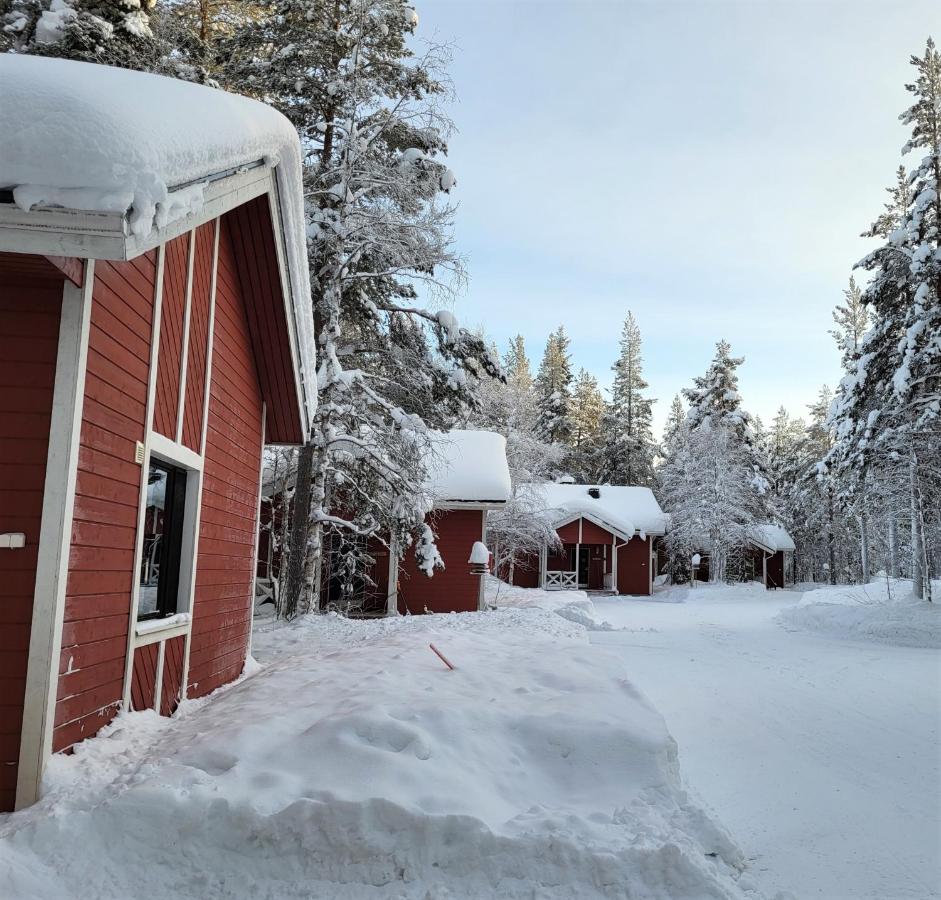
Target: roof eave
x=84, y=234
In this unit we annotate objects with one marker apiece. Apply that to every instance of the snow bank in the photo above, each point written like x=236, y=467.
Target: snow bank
x=879, y=612
x=626, y=508
x=355, y=765
x=105, y=139
x=468, y=466
x=571, y=605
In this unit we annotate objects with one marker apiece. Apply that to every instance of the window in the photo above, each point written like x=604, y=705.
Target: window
x=163, y=539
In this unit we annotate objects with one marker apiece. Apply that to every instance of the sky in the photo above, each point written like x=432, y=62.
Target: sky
x=707, y=165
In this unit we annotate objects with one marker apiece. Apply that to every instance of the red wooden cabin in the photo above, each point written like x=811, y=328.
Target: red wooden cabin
x=607, y=534
x=144, y=362
x=468, y=476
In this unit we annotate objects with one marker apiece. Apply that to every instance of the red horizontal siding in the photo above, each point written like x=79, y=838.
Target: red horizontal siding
x=634, y=567
x=454, y=588
x=30, y=310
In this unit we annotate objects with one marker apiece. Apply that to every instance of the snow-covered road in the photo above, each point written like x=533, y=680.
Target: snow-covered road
x=820, y=755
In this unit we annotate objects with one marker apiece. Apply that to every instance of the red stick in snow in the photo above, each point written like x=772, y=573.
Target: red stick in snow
x=442, y=657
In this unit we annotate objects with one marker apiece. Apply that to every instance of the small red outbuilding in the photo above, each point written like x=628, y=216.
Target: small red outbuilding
x=154, y=334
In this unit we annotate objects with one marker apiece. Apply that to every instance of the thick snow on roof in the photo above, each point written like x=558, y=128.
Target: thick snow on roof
x=626, y=508
x=772, y=537
x=469, y=466
x=98, y=138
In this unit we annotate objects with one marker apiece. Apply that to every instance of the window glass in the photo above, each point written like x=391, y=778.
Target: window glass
x=163, y=531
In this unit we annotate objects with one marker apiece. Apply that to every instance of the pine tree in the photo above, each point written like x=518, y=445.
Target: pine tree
x=587, y=412
x=891, y=402
x=852, y=321
x=553, y=390
x=675, y=419
x=98, y=31
x=628, y=436
x=369, y=113
x=516, y=364
x=713, y=481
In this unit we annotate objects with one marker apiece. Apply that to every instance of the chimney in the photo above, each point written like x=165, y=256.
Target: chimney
x=594, y=493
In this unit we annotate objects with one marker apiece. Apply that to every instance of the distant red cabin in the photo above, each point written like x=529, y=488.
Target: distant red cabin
x=140, y=376
x=607, y=537
x=469, y=476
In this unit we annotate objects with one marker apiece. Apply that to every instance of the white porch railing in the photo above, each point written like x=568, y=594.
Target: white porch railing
x=560, y=581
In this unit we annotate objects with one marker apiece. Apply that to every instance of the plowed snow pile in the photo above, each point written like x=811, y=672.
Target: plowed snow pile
x=355, y=765
x=882, y=612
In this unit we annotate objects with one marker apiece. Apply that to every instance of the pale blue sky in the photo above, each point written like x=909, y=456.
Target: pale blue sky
x=708, y=165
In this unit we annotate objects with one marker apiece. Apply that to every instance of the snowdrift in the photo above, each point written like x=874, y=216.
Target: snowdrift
x=571, y=605
x=882, y=612
x=356, y=766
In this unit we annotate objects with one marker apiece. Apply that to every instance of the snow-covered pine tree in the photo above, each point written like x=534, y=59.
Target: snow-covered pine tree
x=713, y=480
x=516, y=365
x=517, y=531
x=553, y=390
x=111, y=32
x=369, y=112
x=629, y=447
x=587, y=410
x=891, y=403
x=675, y=419
x=852, y=322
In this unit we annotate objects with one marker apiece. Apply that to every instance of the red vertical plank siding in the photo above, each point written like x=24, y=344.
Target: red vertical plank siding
x=144, y=677
x=107, y=492
x=568, y=534
x=454, y=588
x=172, y=676
x=175, y=270
x=634, y=567
x=198, y=332
x=224, y=577
x=29, y=329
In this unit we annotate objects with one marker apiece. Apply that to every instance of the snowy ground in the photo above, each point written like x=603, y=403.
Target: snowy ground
x=355, y=765
x=818, y=750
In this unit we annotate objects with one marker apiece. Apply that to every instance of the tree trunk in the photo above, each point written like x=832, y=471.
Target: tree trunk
x=893, y=546
x=831, y=537
x=864, y=530
x=917, y=585
x=300, y=524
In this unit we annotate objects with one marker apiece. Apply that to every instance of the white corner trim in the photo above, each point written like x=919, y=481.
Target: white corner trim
x=145, y=467
x=261, y=479
x=158, y=683
x=483, y=578
x=185, y=349
x=55, y=536
x=198, y=506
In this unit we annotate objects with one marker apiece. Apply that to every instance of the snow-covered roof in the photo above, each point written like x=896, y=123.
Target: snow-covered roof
x=772, y=537
x=468, y=467
x=623, y=509
x=102, y=139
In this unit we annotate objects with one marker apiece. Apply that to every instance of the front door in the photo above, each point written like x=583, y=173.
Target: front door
x=583, y=564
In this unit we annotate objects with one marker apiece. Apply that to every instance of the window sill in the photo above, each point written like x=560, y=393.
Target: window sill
x=150, y=627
